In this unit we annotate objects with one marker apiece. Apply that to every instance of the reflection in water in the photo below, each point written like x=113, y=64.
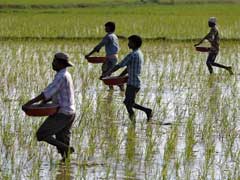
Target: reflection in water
x=130, y=171
x=117, y=97
x=211, y=81
x=110, y=96
x=64, y=172
x=214, y=93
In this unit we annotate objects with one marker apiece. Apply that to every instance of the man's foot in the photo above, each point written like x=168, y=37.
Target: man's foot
x=229, y=69
x=149, y=114
x=65, y=155
x=71, y=150
x=63, y=160
x=121, y=87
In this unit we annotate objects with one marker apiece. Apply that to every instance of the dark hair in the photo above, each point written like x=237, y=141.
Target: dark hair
x=211, y=24
x=111, y=25
x=137, y=40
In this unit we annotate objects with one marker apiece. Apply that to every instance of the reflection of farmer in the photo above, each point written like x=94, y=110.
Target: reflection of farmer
x=133, y=61
x=213, y=38
x=110, y=41
x=61, y=92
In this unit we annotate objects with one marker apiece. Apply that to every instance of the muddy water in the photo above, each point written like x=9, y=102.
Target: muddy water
x=175, y=83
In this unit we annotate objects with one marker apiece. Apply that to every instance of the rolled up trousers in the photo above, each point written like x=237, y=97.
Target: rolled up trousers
x=57, y=125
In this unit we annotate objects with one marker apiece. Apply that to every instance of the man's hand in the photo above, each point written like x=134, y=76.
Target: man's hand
x=108, y=73
x=43, y=102
x=103, y=76
x=40, y=97
x=26, y=105
x=87, y=56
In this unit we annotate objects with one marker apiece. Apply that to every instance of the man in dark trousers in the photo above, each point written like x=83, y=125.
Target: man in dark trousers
x=213, y=38
x=133, y=61
x=60, y=92
x=111, y=44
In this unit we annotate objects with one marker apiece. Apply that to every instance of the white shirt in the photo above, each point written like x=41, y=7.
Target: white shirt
x=61, y=92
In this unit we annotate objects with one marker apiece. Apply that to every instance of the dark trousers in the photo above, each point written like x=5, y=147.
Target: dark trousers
x=130, y=95
x=108, y=64
x=59, y=125
x=211, y=62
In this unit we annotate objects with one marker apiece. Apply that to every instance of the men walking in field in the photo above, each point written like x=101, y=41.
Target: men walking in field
x=213, y=38
x=133, y=61
x=60, y=92
x=110, y=41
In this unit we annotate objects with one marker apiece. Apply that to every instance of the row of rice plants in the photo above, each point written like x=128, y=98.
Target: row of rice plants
x=171, y=22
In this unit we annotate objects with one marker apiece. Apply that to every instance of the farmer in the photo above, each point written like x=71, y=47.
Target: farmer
x=60, y=92
x=213, y=38
x=133, y=61
x=110, y=41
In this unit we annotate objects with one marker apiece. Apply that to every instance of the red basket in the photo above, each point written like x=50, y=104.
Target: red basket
x=115, y=80
x=41, y=110
x=96, y=60
x=203, y=49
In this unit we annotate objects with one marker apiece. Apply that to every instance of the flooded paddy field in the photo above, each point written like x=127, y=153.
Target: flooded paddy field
x=194, y=133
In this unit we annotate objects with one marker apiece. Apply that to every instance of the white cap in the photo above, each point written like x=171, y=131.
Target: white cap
x=212, y=20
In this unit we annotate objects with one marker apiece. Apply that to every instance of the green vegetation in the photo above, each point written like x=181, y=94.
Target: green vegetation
x=201, y=140
x=106, y=2
x=194, y=133
x=57, y=2
x=150, y=21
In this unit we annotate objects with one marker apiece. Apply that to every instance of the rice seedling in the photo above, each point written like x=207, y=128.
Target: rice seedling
x=194, y=133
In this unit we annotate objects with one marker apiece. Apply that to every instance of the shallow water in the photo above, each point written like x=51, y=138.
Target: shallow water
x=194, y=113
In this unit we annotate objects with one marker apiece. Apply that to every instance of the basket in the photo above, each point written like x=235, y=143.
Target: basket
x=115, y=80
x=96, y=60
x=203, y=49
x=41, y=109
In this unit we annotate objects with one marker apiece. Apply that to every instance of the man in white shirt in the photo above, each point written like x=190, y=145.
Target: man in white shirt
x=60, y=92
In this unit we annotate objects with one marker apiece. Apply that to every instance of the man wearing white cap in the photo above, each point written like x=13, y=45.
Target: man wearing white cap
x=60, y=92
x=213, y=38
